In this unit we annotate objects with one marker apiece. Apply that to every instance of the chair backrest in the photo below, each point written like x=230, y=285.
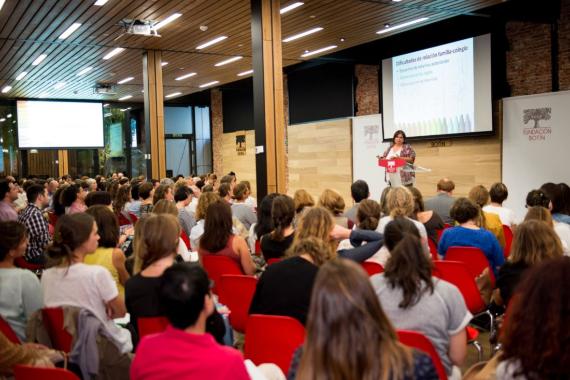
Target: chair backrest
x=20, y=262
x=473, y=258
x=372, y=268
x=272, y=339
x=258, y=247
x=185, y=238
x=53, y=321
x=216, y=266
x=236, y=292
x=419, y=341
x=432, y=249
x=273, y=260
x=8, y=332
x=456, y=273
x=24, y=372
x=151, y=325
x=508, y=240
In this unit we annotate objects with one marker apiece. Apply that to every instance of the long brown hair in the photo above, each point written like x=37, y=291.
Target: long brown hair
x=316, y=222
x=368, y=214
x=315, y=248
x=71, y=231
x=332, y=201
x=536, y=332
x=217, y=227
x=107, y=224
x=409, y=269
x=344, y=313
x=282, y=213
x=204, y=201
x=533, y=242
x=480, y=196
x=160, y=236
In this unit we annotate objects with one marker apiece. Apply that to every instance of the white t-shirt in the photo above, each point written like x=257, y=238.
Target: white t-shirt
x=506, y=215
x=563, y=232
x=421, y=229
x=89, y=287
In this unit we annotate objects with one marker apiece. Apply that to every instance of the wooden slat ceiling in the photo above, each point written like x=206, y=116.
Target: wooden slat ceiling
x=29, y=28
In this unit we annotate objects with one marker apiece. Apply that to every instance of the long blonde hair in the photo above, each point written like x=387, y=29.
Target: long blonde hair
x=348, y=333
x=400, y=202
x=316, y=222
x=534, y=241
x=156, y=236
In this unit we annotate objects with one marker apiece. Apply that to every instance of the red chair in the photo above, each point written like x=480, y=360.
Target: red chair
x=372, y=268
x=53, y=321
x=52, y=218
x=508, y=240
x=473, y=258
x=272, y=339
x=432, y=249
x=236, y=292
x=151, y=325
x=440, y=232
x=216, y=266
x=185, y=239
x=8, y=332
x=20, y=262
x=24, y=372
x=258, y=247
x=419, y=341
x=273, y=260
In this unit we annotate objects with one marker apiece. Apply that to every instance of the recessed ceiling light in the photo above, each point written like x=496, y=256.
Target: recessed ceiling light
x=403, y=25
x=167, y=20
x=100, y=3
x=245, y=73
x=39, y=60
x=164, y=64
x=84, y=71
x=173, y=94
x=113, y=53
x=303, y=34
x=126, y=97
x=125, y=109
x=6, y=89
x=69, y=30
x=2, y=120
x=229, y=60
x=186, y=76
x=106, y=105
x=309, y=53
x=59, y=85
x=125, y=80
x=209, y=84
x=21, y=75
x=211, y=42
x=9, y=115
x=290, y=7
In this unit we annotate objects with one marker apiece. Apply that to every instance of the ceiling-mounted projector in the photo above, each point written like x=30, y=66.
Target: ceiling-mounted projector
x=105, y=89
x=140, y=27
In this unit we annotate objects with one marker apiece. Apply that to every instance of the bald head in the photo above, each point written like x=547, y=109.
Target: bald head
x=445, y=185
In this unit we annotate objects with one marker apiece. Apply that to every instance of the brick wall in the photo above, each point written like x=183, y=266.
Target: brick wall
x=366, y=93
x=217, y=131
x=564, y=46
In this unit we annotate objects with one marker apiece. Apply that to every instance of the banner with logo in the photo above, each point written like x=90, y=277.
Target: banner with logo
x=366, y=145
x=536, y=144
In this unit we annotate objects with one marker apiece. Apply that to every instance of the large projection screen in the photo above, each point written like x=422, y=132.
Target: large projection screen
x=440, y=91
x=50, y=125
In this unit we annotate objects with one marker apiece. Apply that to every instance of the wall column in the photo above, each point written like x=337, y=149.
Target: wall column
x=154, y=115
x=268, y=114
x=62, y=162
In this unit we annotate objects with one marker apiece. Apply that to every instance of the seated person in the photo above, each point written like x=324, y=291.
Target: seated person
x=275, y=243
x=469, y=234
x=499, y=193
x=241, y=210
x=184, y=350
x=20, y=290
x=489, y=221
x=429, y=218
x=298, y=273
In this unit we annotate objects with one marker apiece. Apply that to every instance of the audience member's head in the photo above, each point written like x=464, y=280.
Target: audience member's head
x=345, y=310
x=539, y=213
x=205, y=200
x=156, y=237
x=537, y=198
x=37, y=195
x=316, y=249
x=163, y=192
x=418, y=200
x=316, y=222
x=240, y=192
x=397, y=229
x=533, y=242
x=536, y=334
x=224, y=191
x=218, y=227
x=75, y=236
x=332, y=201
x=554, y=193
x=479, y=195
x=107, y=224
x=464, y=210
x=13, y=240
x=146, y=190
x=565, y=189
x=98, y=198
x=302, y=199
x=264, y=223
x=183, y=194
x=57, y=205
x=368, y=214
x=498, y=192
x=384, y=201
x=8, y=190
x=359, y=191
x=445, y=185
x=164, y=206
x=400, y=202
x=283, y=213
x=122, y=197
x=185, y=296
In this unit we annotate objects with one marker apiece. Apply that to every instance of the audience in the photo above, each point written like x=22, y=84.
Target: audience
x=359, y=192
x=8, y=194
x=99, y=198
x=535, y=335
x=146, y=194
x=107, y=254
x=332, y=201
x=264, y=224
x=73, y=199
x=183, y=197
x=430, y=219
x=443, y=201
x=539, y=198
x=164, y=191
x=73, y=283
x=275, y=243
x=20, y=290
x=412, y=298
x=36, y=224
x=206, y=199
x=122, y=198
x=218, y=238
x=491, y=222
x=169, y=207
x=555, y=192
x=240, y=210
x=348, y=334
x=393, y=233
x=499, y=193
x=303, y=200
x=469, y=234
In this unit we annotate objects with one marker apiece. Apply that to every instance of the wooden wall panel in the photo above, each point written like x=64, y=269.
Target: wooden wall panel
x=243, y=166
x=320, y=157
x=42, y=163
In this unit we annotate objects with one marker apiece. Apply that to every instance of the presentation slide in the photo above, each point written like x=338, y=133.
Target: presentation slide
x=43, y=124
x=443, y=90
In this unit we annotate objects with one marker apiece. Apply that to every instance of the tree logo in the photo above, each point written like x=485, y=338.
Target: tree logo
x=537, y=132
